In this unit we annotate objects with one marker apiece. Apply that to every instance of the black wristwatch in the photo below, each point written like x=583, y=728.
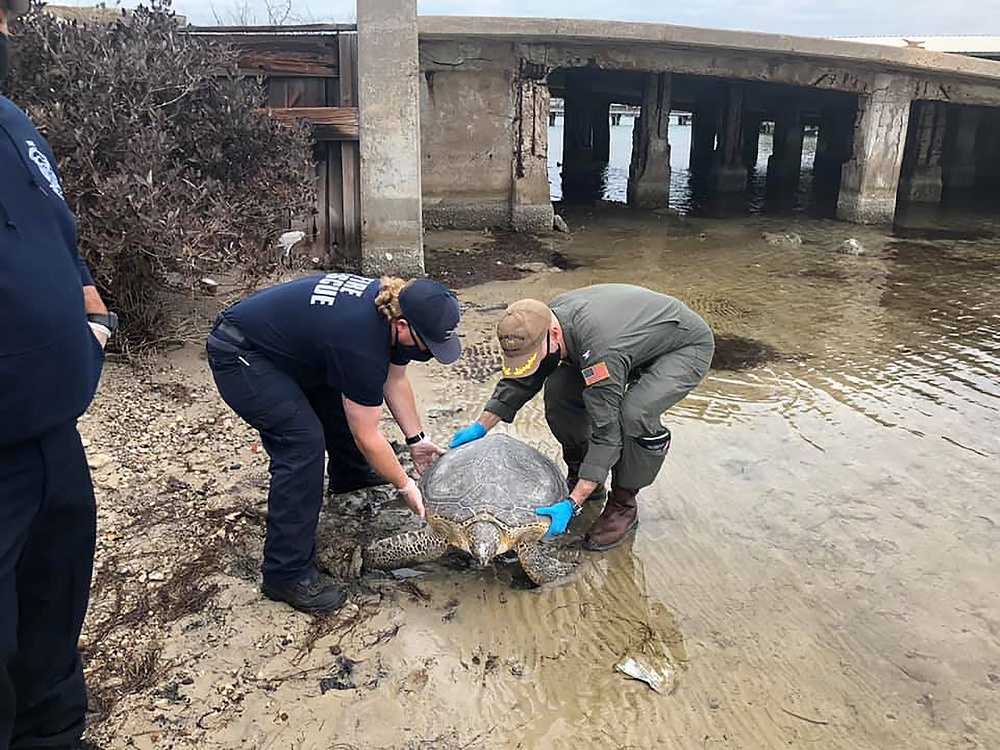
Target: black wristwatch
x=109, y=321
x=416, y=438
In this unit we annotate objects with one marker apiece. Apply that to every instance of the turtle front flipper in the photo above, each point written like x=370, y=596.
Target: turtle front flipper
x=541, y=568
x=405, y=549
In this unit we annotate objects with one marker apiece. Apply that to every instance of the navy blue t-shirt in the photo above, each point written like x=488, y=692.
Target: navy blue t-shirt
x=50, y=361
x=323, y=331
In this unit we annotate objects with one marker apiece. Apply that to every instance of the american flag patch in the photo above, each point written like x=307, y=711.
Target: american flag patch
x=596, y=373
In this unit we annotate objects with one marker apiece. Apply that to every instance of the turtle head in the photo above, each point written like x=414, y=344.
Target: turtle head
x=484, y=541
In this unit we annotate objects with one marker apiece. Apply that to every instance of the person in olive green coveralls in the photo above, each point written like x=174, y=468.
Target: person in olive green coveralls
x=612, y=359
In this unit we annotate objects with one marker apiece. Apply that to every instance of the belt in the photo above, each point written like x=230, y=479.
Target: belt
x=226, y=331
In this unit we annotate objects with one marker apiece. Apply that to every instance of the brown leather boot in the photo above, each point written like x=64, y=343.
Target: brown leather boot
x=573, y=461
x=616, y=523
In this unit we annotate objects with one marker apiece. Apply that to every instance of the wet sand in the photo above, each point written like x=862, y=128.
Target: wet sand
x=817, y=560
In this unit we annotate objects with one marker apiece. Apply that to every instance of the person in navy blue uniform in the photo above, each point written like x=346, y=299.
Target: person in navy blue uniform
x=309, y=364
x=50, y=364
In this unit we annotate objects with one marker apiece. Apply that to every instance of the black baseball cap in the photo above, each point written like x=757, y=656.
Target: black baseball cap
x=17, y=7
x=433, y=312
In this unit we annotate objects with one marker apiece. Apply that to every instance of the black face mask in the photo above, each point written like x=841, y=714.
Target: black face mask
x=4, y=58
x=412, y=353
x=551, y=360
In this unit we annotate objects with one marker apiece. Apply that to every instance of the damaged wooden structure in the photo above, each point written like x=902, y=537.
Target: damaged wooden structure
x=311, y=75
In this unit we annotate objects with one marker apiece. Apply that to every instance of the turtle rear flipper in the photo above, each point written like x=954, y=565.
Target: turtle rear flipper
x=423, y=545
x=541, y=568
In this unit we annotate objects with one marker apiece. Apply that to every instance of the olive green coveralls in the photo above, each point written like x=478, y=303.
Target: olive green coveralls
x=632, y=353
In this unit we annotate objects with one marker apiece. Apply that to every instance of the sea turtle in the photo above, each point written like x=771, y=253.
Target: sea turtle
x=481, y=498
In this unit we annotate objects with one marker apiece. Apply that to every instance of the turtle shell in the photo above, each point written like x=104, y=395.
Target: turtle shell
x=496, y=474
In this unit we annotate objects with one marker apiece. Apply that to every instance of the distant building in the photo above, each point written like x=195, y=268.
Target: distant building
x=972, y=45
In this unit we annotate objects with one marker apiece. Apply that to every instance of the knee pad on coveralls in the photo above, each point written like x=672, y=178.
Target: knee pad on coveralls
x=641, y=459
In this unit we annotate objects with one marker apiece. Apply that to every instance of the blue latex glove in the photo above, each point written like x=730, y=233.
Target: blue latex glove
x=467, y=434
x=561, y=514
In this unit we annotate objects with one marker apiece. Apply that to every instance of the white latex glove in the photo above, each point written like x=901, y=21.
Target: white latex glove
x=424, y=453
x=415, y=500
x=101, y=333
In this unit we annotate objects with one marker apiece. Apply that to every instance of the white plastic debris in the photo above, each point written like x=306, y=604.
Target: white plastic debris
x=660, y=677
x=288, y=240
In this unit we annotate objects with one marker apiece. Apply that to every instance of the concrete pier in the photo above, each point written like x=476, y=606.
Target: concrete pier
x=784, y=166
x=531, y=204
x=730, y=169
x=988, y=175
x=960, y=157
x=833, y=147
x=751, y=138
x=602, y=131
x=704, y=128
x=482, y=142
x=649, y=172
x=870, y=179
x=920, y=181
x=389, y=96
x=579, y=157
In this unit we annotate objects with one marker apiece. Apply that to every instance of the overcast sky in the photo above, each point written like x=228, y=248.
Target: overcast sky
x=807, y=17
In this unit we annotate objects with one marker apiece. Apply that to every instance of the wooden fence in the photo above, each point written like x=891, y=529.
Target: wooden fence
x=311, y=74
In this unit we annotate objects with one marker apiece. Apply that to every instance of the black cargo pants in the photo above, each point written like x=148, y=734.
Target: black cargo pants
x=48, y=527
x=296, y=428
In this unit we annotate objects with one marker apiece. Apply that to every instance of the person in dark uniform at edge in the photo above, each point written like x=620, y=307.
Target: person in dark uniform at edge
x=50, y=365
x=612, y=359
x=308, y=364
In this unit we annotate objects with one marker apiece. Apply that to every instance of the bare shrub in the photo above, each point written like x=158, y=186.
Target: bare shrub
x=170, y=172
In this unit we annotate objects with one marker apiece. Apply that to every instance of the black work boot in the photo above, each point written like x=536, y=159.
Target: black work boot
x=574, y=458
x=312, y=595
x=616, y=523
x=343, y=482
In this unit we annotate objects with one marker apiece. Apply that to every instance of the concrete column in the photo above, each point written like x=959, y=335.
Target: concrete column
x=704, y=127
x=531, y=203
x=960, y=158
x=751, y=138
x=870, y=179
x=649, y=172
x=730, y=171
x=988, y=176
x=389, y=101
x=578, y=120
x=602, y=132
x=921, y=173
x=579, y=175
x=784, y=166
x=833, y=147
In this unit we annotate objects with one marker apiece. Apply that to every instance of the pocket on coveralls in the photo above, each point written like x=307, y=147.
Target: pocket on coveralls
x=658, y=443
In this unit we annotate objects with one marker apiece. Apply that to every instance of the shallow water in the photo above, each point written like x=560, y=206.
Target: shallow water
x=818, y=557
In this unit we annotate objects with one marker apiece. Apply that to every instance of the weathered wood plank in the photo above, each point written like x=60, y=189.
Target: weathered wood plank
x=336, y=255
x=277, y=92
x=350, y=153
x=284, y=65
x=304, y=56
x=296, y=94
x=348, y=70
x=284, y=32
x=333, y=92
x=314, y=93
x=322, y=236
x=328, y=123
